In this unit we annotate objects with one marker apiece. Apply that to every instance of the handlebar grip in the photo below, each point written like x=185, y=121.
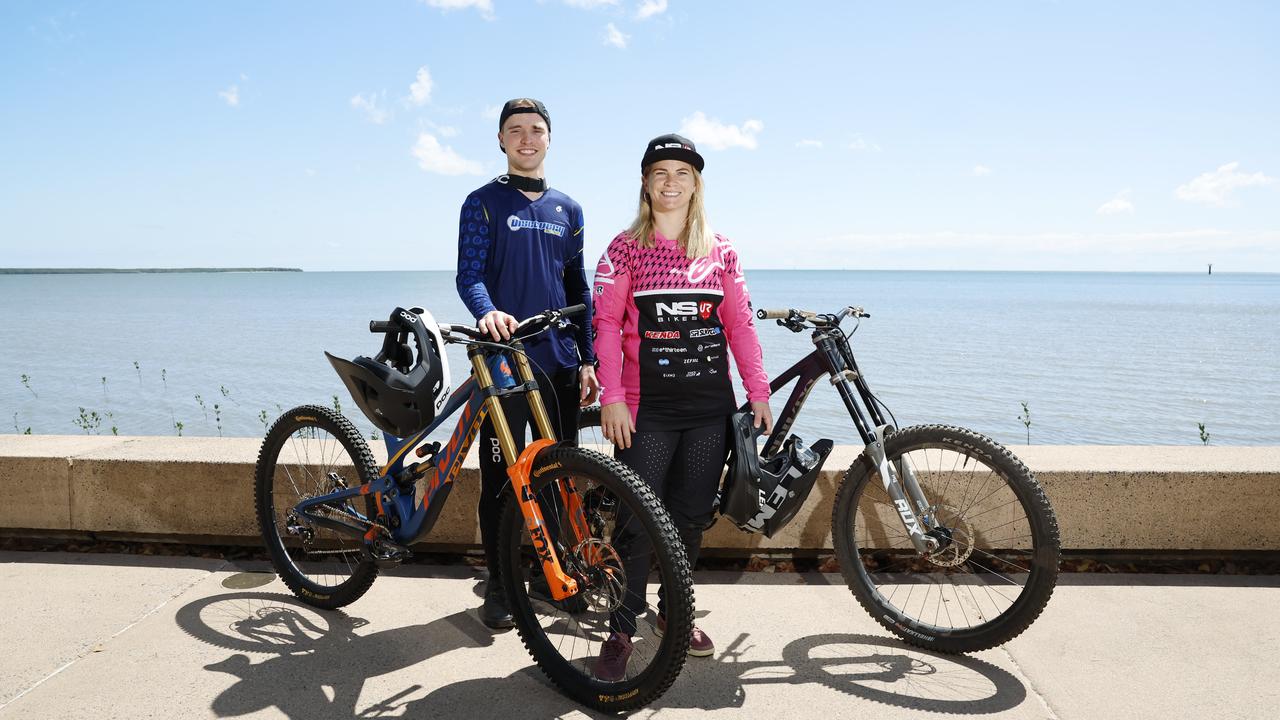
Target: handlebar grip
x=379, y=326
x=763, y=314
x=573, y=310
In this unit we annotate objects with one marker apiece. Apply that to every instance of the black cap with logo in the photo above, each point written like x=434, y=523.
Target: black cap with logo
x=671, y=147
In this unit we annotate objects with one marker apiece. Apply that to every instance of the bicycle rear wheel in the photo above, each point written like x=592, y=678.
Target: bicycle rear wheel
x=999, y=558
x=565, y=637
x=589, y=434
x=312, y=451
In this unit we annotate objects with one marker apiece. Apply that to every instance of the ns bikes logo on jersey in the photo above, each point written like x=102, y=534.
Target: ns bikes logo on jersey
x=684, y=310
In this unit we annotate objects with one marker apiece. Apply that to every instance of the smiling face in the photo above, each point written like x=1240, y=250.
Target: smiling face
x=670, y=184
x=525, y=139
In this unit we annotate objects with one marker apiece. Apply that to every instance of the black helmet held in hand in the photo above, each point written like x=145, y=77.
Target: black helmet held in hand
x=403, y=388
x=763, y=494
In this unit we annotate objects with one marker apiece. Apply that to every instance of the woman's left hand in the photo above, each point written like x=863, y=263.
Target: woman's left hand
x=763, y=414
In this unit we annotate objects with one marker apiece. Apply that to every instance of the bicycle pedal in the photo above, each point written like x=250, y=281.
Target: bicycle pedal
x=387, y=554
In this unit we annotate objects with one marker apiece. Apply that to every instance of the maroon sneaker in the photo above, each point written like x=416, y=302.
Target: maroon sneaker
x=611, y=666
x=699, y=644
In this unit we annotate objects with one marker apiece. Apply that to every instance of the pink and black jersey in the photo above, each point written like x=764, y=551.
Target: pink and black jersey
x=664, y=328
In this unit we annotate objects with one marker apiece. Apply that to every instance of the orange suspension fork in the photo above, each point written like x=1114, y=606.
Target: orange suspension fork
x=560, y=584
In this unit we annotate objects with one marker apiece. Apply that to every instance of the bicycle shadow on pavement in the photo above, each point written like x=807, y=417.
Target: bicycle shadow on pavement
x=879, y=669
x=317, y=664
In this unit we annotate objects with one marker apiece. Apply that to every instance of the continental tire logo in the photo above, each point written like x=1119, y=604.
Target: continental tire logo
x=619, y=698
x=547, y=468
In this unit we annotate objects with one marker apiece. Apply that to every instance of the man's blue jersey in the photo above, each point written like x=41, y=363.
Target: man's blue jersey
x=524, y=256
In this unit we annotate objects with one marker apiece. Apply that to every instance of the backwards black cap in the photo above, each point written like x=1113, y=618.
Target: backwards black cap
x=523, y=105
x=671, y=147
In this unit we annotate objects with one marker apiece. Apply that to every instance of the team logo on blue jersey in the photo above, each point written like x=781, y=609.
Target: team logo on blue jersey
x=514, y=223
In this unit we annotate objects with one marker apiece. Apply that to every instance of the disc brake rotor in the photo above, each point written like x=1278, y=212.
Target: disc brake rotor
x=962, y=540
x=606, y=581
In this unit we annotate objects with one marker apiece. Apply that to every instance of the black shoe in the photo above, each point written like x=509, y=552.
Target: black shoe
x=494, y=613
x=538, y=590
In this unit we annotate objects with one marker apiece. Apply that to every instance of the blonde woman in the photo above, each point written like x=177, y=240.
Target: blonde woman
x=671, y=303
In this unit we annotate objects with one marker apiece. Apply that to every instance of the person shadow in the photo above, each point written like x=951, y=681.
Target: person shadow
x=879, y=669
x=318, y=663
x=317, y=667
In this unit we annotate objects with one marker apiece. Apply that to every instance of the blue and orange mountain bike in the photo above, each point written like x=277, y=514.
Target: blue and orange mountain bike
x=331, y=518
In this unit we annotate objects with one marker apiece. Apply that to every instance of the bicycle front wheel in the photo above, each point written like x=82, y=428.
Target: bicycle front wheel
x=565, y=637
x=312, y=451
x=998, y=560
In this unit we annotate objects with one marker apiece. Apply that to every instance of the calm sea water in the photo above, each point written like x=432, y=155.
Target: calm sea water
x=1100, y=358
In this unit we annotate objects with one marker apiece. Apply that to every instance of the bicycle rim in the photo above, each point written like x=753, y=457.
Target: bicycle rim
x=998, y=563
x=566, y=637
x=306, y=455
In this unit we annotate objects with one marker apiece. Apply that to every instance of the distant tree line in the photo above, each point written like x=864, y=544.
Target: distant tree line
x=98, y=271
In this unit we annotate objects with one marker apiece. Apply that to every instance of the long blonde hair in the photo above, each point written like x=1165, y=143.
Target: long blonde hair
x=696, y=238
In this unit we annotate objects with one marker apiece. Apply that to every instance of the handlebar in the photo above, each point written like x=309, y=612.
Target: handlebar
x=798, y=319
x=782, y=314
x=525, y=328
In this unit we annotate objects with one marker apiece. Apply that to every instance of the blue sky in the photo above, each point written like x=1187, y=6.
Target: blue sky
x=932, y=135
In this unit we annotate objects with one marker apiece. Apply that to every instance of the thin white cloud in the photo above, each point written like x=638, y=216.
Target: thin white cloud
x=485, y=7
x=715, y=135
x=420, y=90
x=369, y=105
x=649, y=8
x=615, y=37
x=809, y=144
x=441, y=159
x=981, y=170
x=1118, y=204
x=861, y=144
x=447, y=131
x=1215, y=188
x=231, y=96
x=491, y=112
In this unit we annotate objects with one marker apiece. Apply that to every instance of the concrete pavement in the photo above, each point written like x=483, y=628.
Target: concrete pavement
x=122, y=636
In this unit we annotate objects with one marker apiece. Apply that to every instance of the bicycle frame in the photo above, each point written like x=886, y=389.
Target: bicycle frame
x=405, y=519
x=833, y=357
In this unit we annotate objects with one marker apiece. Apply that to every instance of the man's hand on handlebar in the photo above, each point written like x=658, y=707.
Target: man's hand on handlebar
x=497, y=324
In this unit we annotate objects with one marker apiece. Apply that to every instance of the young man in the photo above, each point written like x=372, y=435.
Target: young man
x=519, y=253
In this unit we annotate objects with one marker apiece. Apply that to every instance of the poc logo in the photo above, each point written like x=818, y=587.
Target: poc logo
x=407, y=316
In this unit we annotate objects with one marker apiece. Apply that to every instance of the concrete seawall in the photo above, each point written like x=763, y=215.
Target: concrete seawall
x=1130, y=498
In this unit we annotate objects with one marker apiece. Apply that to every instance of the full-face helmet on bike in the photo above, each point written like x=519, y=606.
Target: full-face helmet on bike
x=405, y=385
x=762, y=494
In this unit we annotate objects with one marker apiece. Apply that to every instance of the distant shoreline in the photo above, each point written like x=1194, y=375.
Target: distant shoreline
x=111, y=271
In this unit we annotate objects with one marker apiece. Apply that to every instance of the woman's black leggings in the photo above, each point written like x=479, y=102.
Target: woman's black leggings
x=683, y=467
